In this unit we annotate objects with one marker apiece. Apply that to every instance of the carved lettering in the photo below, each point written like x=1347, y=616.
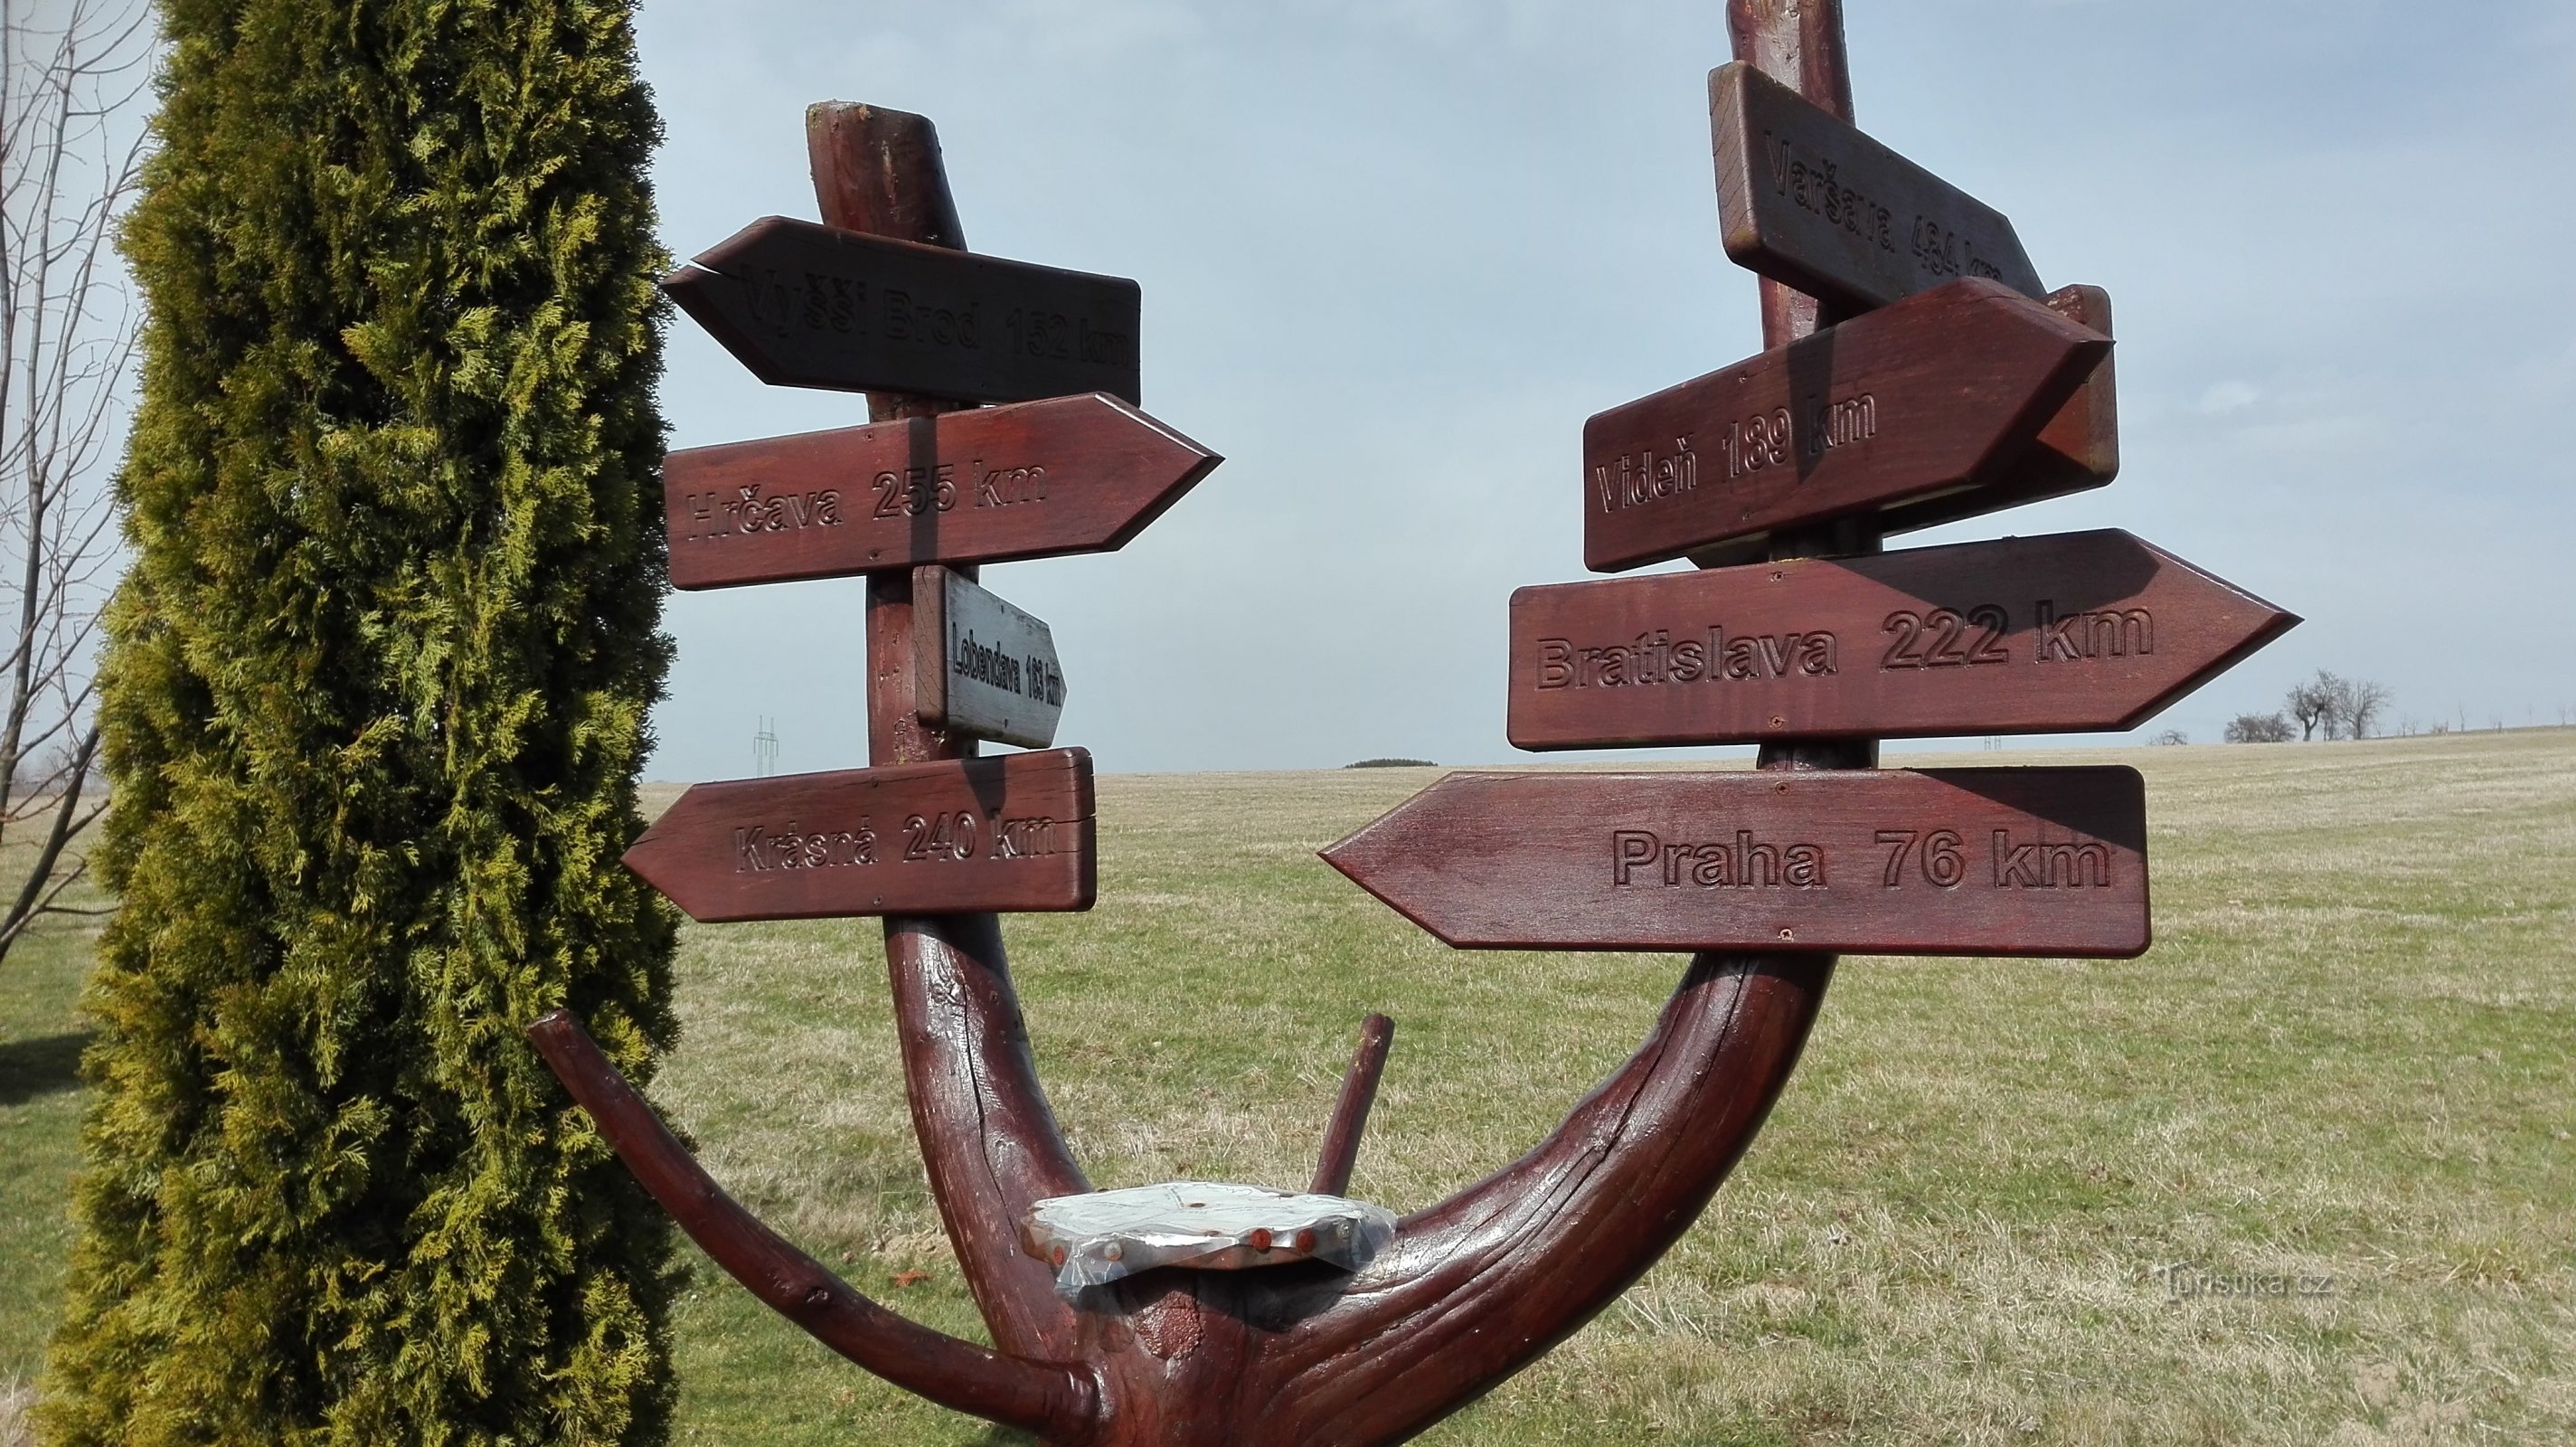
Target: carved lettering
x=1944, y=252
x=916, y=490
x=941, y=836
x=1643, y=477
x=1815, y=184
x=2109, y=633
x=1065, y=338
x=2040, y=865
x=1946, y=638
x=1642, y=856
x=1658, y=658
x=1024, y=839
x=1832, y=424
x=786, y=302
x=759, y=850
x=907, y=320
x=1008, y=486
x=746, y=510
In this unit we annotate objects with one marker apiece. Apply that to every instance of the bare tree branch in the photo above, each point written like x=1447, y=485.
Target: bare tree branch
x=73, y=76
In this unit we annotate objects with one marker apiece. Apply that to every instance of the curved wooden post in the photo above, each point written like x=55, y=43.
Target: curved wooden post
x=1473, y=1288
x=988, y=1137
x=1480, y=1285
x=1054, y=1400
x=1469, y=1291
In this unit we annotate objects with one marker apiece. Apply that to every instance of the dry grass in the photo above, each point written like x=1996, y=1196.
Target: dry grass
x=15, y=1400
x=2346, y=1058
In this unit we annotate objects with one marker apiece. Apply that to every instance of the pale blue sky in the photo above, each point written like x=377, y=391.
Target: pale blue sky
x=1395, y=251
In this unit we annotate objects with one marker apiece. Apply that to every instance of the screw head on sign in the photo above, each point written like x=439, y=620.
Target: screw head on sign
x=1788, y=934
x=1056, y=1257
x=1306, y=1239
x=1259, y=1240
x=1112, y=1251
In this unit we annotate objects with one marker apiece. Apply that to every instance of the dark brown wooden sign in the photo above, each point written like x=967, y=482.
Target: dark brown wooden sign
x=1038, y=479
x=1807, y=199
x=1008, y=833
x=2057, y=634
x=1935, y=862
x=804, y=305
x=2077, y=450
x=1917, y=398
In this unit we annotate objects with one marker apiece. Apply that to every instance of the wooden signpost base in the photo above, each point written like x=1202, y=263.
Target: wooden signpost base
x=1307, y=1353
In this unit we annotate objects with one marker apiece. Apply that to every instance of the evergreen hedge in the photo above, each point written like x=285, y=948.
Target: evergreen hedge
x=375, y=698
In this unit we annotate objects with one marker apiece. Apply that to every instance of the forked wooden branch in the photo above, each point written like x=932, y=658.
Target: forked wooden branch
x=1053, y=1400
x=1468, y=1292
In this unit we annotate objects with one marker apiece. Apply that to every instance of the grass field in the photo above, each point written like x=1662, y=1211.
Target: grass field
x=1996, y=1205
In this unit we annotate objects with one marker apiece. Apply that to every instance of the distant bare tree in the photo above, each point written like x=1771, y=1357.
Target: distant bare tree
x=2258, y=728
x=2318, y=704
x=2363, y=702
x=71, y=145
x=2171, y=736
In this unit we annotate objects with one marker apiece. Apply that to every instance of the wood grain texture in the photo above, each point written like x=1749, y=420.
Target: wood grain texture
x=2078, y=450
x=1471, y=1289
x=989, y=1141
x=2061, y=634
x=2000, y=861
x=1911, y=400
x=1351, y=1108
x=948, y=837
x=1032, y=480
x=1040, y=1398
x=1807, y=199
x=982, y=666
x=803, y=305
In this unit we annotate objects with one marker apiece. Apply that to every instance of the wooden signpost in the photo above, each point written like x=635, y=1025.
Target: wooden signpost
x=981, y=666
x=1011, y=833
x=1034, y=480
x=808, y=306
x=1916, y=398
x=1940, y=862
x=1806, y=199
x=1964, y=393
x=2026, y=635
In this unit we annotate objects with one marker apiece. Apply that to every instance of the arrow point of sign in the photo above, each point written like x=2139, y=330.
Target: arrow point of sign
x=1364, y=855
x=1168, y=465
x=692, y=287
x=1965, y=374
x=1074, y=474
x=2252, y=621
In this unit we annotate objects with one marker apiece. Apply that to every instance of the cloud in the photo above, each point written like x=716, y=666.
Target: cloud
x=2227, y=398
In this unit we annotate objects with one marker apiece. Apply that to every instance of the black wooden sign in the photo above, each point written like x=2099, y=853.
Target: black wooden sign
x=804, y=305
x=1805, y=198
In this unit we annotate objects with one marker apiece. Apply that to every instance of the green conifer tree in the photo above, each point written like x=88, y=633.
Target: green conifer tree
x=376, y=695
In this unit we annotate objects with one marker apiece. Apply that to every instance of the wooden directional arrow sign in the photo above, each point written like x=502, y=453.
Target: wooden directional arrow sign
x=2027, y=635
x=1937, y=862
x=1907, y=401
x=2077, y=450
x=1011, y=833
x=1808, y=200
x=804, y=305
x=981, y=666
x=1066, y=475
